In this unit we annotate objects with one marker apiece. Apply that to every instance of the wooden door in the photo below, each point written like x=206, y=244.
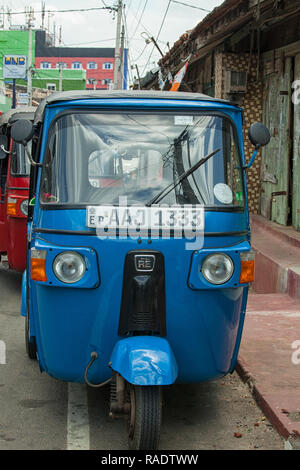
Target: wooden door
x=296, y=153
x=276, y=156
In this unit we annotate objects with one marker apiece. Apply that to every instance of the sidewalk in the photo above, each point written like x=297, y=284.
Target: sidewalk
x=269, y=360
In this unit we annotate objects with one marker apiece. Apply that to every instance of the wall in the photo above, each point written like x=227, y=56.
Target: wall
x=15, y=43
x=99, y=74
x=251, y=102
x=71, y=79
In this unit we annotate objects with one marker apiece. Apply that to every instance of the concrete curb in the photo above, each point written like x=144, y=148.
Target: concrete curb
x=292, y=440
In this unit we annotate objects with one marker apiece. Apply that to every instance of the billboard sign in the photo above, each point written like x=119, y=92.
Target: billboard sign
x=14, y=66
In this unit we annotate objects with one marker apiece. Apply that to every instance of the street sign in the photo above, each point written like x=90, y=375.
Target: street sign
x=23, y=99
x=14, y=66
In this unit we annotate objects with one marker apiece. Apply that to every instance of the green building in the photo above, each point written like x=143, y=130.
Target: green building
x=50, y=80
x=15, y=43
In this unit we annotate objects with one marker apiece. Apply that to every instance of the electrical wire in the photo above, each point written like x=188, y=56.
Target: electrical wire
x=139, y=21
x=161, y=26
x=191, y=6
x=60, y=11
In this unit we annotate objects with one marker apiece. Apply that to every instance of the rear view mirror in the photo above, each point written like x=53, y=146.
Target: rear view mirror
x=22, y=131
x=3, y=147
x=259, y=135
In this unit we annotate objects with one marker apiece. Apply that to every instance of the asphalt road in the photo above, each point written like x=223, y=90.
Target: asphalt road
x=38, y=412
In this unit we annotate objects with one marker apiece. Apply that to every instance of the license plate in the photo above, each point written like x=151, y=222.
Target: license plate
x=187, y=218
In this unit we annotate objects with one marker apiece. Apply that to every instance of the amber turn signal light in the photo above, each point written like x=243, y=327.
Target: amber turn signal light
x=247, y=267
x=11, y=206
x=38, y=265
x=247, y=271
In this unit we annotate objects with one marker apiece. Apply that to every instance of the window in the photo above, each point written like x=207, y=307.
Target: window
x=45, y=65
x=20, y=165
x=96, y=158
x=106, y=81
x=51, y=86
x=91, y=65
x=91, y=81
x=107, y=66
x=62, y=65
x=76, y=65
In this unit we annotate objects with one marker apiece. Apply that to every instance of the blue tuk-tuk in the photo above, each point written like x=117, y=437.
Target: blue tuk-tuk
x=139, y=255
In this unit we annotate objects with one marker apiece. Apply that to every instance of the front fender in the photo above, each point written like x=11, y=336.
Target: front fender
x=145, y=360
x=23, y=297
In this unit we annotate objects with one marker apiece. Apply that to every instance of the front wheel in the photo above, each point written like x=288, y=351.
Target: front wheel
x=145, y=417
x=30, y=346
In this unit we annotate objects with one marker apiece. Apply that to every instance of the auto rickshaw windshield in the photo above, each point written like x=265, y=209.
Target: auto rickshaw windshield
x=96, y=158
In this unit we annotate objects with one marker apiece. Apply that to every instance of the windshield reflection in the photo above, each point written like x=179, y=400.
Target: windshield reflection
x=98, y=158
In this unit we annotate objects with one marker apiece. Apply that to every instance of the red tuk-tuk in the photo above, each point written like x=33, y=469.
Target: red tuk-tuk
x=14, y=189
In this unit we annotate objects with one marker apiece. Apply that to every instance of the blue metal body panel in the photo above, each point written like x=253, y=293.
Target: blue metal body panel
x=145, y=360
x=203, y=324
x=23, y=298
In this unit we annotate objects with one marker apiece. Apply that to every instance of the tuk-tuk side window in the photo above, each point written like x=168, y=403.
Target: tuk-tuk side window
x=20, y=164
x=95, y=158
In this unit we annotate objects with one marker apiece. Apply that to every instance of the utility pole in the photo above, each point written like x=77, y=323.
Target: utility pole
x=120, y=74
x=60, y=76
x=14, y=101
x=117, y=47
x=29, y=65
x=29, y=76
x=43, y=15
x=138, y=74
x=156, y=45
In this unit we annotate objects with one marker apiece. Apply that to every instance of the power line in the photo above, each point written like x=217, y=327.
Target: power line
x=163, y=21
x=191, y=6
x=144, y=27
x=140, y=55
x=60, y=11
x=139, y=21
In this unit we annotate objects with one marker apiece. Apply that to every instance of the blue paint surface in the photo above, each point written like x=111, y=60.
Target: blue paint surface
x=203, y=323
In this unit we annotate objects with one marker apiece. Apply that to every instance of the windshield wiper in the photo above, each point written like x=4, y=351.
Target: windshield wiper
x=175, y=183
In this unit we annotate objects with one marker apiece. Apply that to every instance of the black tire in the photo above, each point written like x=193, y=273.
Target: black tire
x=145, y=417
x=30, y=346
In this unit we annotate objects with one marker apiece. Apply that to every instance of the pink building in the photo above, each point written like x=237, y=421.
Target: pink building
x=98, y=62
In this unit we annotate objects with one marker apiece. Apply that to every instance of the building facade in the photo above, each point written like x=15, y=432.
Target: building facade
x=62, y=68
x=97, y=62
x=53, y=80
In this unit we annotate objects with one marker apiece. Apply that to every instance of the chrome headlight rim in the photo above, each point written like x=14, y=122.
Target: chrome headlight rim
x=24, y=207
x=61, y=258
x=227, y=261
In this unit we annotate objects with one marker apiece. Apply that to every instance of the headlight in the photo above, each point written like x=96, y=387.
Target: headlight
x=69, y=267
x=24, y=207
x=217, y=268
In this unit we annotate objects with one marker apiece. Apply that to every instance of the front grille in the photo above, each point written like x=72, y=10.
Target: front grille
x=143, y=296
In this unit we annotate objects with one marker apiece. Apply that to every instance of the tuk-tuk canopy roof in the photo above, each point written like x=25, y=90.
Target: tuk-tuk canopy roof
x=123, y=94
x=12, y=115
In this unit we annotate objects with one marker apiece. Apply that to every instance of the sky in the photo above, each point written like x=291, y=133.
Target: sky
x=165, y=20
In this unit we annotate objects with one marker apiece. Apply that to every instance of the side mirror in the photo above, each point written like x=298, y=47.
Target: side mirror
x=259, y=135
x=22, y=131
x=3, y=147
